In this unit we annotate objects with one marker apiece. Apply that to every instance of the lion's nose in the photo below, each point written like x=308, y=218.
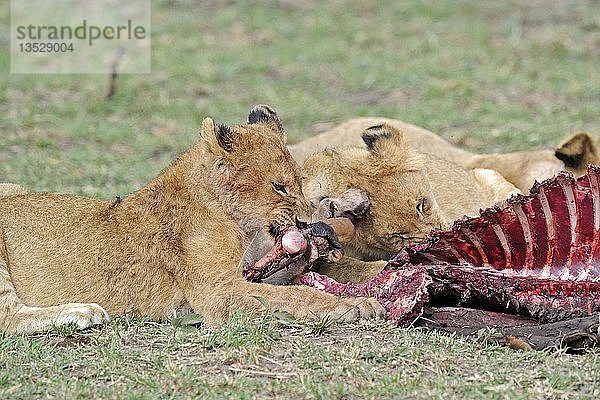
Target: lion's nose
x=353, y=204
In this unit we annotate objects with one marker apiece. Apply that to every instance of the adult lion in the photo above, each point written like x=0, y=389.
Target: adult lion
x=180, y=240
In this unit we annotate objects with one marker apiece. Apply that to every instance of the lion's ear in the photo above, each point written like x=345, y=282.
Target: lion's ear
x=264, y=114
x=578, y=151
x=218, y=137
x=389, y=148
x=386, y=140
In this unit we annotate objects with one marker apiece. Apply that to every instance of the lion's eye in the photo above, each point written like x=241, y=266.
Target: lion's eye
x=421, y=208
x=279, y=188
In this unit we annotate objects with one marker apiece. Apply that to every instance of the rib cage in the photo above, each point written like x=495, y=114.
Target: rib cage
x=539, y=255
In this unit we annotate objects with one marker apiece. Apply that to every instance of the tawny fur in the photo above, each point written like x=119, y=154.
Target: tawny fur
x=11, y=189
x=519, y=168
x=410, y=193
x=180, y=240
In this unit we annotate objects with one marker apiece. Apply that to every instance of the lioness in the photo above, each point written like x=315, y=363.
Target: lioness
x=410, y=193
x=520, y=168
x=180, y=240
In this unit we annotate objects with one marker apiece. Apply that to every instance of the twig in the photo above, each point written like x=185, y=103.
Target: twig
x=263, y=373
x=113, y=76
x=270, y=360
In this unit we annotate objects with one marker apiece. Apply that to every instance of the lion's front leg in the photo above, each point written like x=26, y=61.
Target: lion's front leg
x=219, y=302
x=212, y=282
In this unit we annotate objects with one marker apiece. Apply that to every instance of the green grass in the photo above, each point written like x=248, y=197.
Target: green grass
x=491, y=76
x=250, y=359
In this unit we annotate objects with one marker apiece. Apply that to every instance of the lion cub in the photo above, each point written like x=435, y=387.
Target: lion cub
x=178, y=241
x=410, y=193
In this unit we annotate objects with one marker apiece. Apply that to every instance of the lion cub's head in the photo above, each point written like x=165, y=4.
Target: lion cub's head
x=253, y=173
x=403, y=207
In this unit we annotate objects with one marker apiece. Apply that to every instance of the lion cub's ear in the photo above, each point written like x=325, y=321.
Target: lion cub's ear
x=386, y=140
x=263, y=113
x=578, y=151
x=389, y=147
x=218, y=137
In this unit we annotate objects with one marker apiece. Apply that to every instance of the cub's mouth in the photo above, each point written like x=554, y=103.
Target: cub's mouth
x=278, y=226
x=274, y=230
x=305, y=244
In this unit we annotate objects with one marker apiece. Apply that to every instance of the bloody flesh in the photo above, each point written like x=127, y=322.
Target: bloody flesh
x=310, y=243
x=402, y=293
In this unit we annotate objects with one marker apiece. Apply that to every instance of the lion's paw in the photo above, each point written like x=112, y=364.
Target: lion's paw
x=80, y=314
x=357, y=308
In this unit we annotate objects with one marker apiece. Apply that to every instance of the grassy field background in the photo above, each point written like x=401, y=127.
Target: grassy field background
x=490, y=76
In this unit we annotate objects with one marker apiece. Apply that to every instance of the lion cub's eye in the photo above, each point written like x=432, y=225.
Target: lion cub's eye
x=279, y=188
x=421, y=208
